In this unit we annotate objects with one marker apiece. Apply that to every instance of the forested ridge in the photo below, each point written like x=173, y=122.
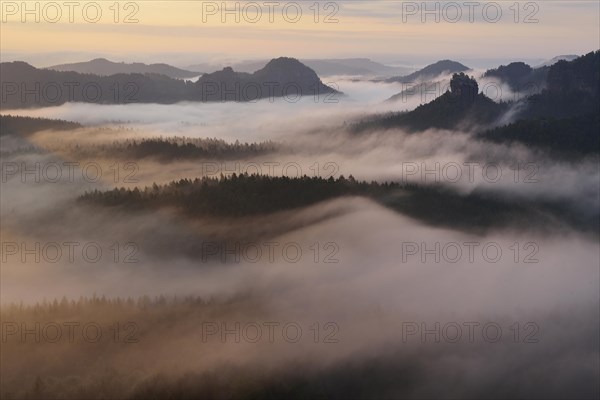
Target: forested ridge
x=247, y=195
x=174, y=148
x=16, y=125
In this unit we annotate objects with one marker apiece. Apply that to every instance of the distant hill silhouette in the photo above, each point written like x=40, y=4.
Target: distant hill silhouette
x=323, y=67
x=431, y=71
x=280, y=77
x=288, y=71
x=462, y=105
x=104, y=67
x=520, y=76
x=554, y=60
x=354, y=66
x=26, y=86
x=566, y=138
x=572, y=89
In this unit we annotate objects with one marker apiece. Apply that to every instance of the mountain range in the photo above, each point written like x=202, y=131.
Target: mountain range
x=104, y=67
x=323, y=67
x=562, y=118
x=25, y=86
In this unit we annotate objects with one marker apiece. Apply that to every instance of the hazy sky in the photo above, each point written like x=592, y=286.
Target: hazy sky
x=184, y=32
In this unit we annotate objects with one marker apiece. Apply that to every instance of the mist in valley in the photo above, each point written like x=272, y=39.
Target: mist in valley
x=364, y=273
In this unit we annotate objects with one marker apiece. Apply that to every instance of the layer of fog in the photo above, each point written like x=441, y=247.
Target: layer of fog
x=272, y=117
x=453, y=158
x=314, y=141
x=230, y=120
x=369, y=293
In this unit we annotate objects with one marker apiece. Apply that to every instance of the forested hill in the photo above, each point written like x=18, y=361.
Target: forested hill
x=431, y=71
x=251, y=195
x=566, y=138
x=104, y=67
x=564, y=118
x=573, y=89
x=520, y=76
x=15, y=125
x=462, y=106
x=170, y=149
x=25, y=86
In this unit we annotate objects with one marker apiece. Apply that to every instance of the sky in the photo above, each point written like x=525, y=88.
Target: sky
x=402, y=32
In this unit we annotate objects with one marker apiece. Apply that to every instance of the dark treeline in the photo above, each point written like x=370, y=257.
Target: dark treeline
x=438, y=205
x=39, y=363
x=238, y=195
x=174, y=148
x=14, y=125
x=394, y=375
x=64, y=306
x=162, y=148
x=569, y=138
x=138, y=369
